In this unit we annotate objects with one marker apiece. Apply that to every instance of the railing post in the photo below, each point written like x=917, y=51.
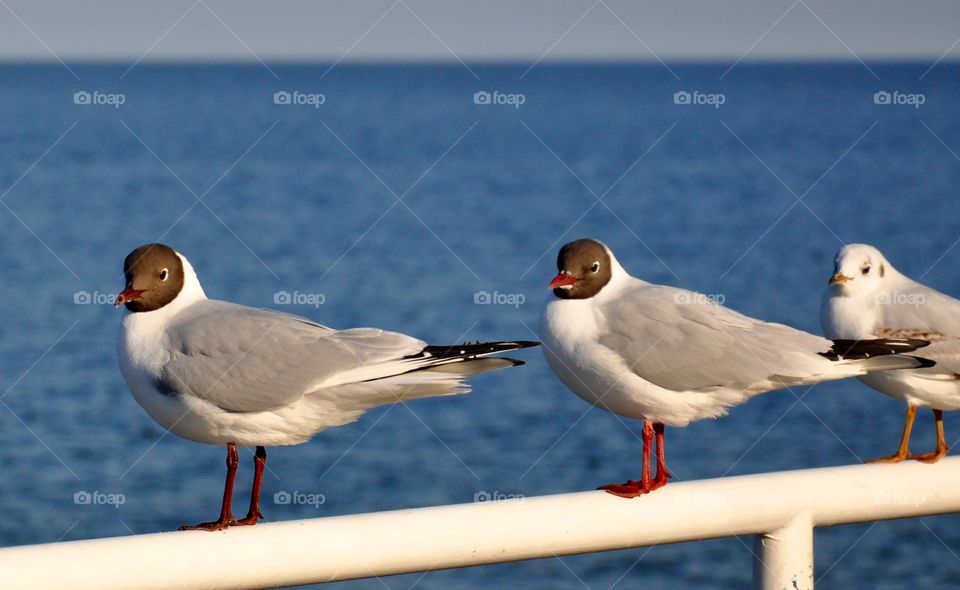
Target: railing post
x=783, y=558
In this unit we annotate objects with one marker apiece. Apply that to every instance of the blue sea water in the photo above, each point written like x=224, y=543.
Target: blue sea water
x=398, y=200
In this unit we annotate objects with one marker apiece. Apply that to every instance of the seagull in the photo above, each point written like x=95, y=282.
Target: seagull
x=220, y=373
x=669, y=357
x=868, y=298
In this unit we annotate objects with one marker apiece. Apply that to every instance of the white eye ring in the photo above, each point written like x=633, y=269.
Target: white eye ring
x=595, y=267
x=164, y=273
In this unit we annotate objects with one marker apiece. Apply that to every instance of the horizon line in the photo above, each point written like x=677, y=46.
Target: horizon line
x=492, y=61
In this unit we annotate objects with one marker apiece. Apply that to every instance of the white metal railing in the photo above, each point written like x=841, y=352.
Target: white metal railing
x=781, y=508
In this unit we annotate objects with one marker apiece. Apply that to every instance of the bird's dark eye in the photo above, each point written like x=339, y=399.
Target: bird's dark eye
x=164, y=273
x=865, y=270
x=595, y=267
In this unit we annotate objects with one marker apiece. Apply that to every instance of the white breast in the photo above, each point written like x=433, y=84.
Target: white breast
x=567, y=325
x=853, y=318
x=142, y=352
x=570, y=333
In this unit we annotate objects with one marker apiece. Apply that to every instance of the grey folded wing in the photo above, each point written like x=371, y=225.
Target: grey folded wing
x=917, y=311
x=681, y=341
x=248, y=360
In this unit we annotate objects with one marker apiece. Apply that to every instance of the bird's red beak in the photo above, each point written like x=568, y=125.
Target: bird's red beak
x=562, y=280
x=127, y=295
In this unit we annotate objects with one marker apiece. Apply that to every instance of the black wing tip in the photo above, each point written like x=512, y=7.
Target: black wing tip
x=845, y=349
x=473, y=349
x=925, y=363
x=525, y=343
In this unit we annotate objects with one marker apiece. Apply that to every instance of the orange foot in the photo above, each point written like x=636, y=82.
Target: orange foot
x=895, y=458
x=932, y=456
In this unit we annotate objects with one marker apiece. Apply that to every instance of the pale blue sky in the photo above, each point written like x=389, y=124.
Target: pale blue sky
x=496, y=30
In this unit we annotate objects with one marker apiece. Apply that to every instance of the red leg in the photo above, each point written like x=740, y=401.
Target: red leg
x=259, y=462
x=632, y=489
x=662, y=474
x=647, y=454
x=226, y=516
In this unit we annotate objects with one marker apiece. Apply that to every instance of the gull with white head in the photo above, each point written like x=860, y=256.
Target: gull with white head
x=868, y=298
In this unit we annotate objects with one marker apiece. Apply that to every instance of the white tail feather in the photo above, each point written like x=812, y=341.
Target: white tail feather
x=887, y=363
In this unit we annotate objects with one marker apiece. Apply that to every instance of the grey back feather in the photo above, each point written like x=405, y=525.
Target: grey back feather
x=244, y=359
x=681, y=341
